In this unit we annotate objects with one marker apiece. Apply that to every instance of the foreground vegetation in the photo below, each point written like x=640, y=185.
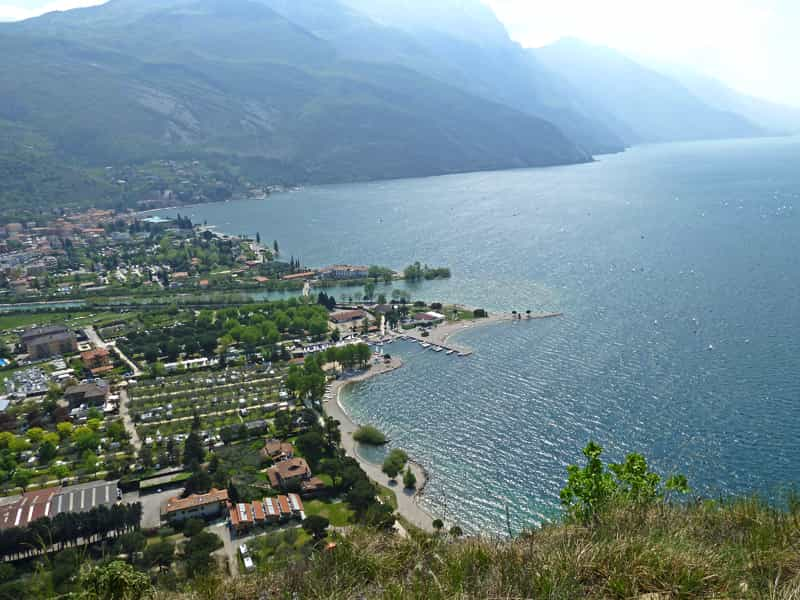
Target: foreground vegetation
x=623, y=535
x=741, y=549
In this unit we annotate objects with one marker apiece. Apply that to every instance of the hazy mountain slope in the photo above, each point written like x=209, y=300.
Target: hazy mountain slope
x=457, y=42
x=653, y=108
x=233, y=77
x=775, y=118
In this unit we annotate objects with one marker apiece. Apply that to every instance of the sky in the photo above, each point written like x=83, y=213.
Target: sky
x=751, y=45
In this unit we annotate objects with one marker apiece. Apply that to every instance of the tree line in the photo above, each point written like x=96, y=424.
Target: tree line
x=68, y=529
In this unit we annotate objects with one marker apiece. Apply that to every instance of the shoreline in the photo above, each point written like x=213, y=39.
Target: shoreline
x=440, y=334
x=408, y=505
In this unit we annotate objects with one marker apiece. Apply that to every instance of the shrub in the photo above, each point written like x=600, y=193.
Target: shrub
x=370, y=435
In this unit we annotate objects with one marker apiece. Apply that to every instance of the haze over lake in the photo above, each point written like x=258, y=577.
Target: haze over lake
x=677, y=269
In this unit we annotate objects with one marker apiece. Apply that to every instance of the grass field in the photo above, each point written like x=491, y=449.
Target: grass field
x=338, y=513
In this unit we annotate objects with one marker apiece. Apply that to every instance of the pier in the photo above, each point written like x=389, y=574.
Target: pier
x=433, y=346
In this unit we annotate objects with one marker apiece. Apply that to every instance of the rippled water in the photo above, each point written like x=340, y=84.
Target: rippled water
x=677, y=269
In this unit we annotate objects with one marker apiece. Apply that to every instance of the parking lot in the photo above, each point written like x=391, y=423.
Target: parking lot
x=151, y=505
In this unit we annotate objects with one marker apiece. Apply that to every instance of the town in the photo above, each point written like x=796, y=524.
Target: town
x=186, y=434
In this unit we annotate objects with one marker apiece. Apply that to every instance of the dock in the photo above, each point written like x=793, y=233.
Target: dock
x=438, y=348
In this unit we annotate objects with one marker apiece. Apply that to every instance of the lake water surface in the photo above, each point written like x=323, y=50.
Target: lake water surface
x=677, y=269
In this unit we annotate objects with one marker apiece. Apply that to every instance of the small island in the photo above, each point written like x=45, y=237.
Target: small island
x=371, y=436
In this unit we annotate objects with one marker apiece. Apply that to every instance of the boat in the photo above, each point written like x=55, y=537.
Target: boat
x=438, y=349
x=449, y=352
x=425, y=345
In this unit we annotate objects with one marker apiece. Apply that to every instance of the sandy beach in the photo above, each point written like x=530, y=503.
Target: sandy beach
x=407, y=504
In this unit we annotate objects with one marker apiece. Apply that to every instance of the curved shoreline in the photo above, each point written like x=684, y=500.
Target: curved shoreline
x=440, y=335
x=407, y=501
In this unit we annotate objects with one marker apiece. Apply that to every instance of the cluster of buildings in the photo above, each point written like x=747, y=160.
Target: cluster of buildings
x=29, y=251
x=245, y=516
x=242, y=516
x=332, y=273
x=290, y=476
x=289, y=472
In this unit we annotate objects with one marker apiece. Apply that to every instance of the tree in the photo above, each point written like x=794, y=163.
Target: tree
x=85, y=438
x=456, y=531
x=316, y=526
x=312, y=446
x=159, y=554
x=275, y=247
x=362, y=495
x=380, y=516
x=283, y=423
x=213, y=464
x=233, y=492
x=113, y=581
x=130, y=543
x=197, y=552
x=47, y=452
x=372, y=436
x=391, y=468
x=22, y=477
x=198, y=483
x=409, y=479
x=589, y=488
x=438, y=525
x=146, y=456
x=192, y=527
x=193, y=451
x=394, y=463
x=64, y=430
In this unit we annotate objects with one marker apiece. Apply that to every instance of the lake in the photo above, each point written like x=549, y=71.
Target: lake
x=677, y=269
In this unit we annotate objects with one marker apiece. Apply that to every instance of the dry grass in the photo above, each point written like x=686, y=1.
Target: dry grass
x=741, y=550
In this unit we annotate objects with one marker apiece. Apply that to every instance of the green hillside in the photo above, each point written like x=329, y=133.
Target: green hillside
x=109, y=85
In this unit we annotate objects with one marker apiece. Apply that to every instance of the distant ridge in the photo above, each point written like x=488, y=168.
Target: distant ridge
x=232, y=77
x=647, y=106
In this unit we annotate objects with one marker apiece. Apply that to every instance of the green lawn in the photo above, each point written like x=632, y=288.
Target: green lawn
x=338, y=513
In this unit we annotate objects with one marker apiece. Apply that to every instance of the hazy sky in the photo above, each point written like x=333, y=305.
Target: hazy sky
x=752, y=45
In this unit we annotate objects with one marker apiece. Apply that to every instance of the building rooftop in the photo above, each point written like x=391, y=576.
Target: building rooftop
x=288, y=469
x=275, y=448
x=346, y=315
x=96, y=354
x=177, y=504
x=37, y=332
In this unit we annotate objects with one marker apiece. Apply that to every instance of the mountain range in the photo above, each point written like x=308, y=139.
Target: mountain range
x=335, y=90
